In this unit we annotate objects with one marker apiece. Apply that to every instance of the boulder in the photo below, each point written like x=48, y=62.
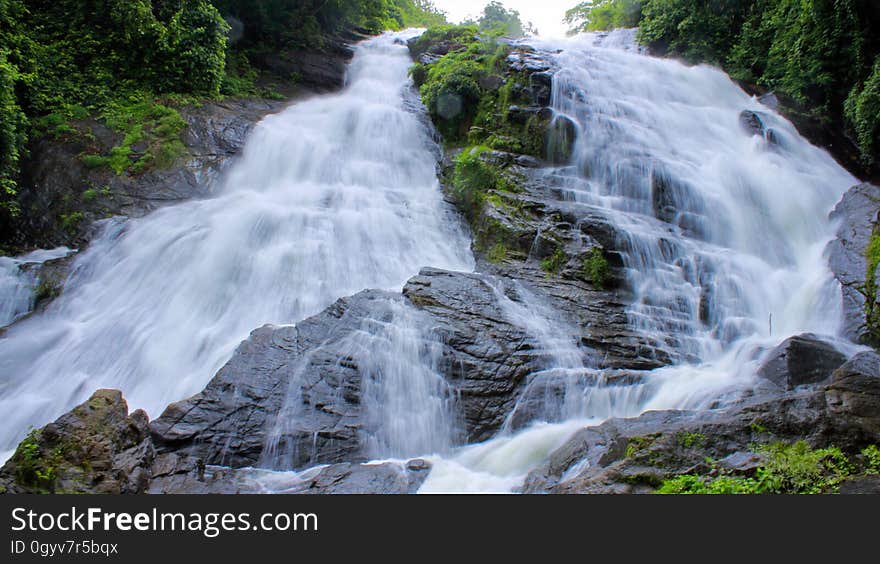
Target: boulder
x=801, y=360
x=856, y=215
x=95, y=448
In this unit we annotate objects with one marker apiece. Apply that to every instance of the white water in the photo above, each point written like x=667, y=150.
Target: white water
x=18, y=280
x=408, y=408
x=747, y=241
x=339, y=194
x=334, y=195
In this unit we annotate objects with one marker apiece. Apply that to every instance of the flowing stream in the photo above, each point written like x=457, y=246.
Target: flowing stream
x=722, y=236
x=334, y=195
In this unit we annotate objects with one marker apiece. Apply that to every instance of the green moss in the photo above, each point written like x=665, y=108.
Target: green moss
x=89, y=195
x=46, y=290
x=872, y=311
x=555, y=262
x=34, y=469
x=463, y=35
x=497, y=254
x=70, y=222
x=689, y=439
x=596, y=268
x=637, y=445
x=143, y=122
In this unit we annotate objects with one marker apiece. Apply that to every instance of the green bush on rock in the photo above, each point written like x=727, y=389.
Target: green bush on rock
x=787, y=469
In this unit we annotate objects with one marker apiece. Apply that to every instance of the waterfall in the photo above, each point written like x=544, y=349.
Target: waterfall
x=719, y=230
x=334, y=195
x=407, y=407
x=18, y=282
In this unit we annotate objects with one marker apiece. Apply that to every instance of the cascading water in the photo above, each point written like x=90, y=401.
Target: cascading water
x=408, y=408
x=722, y=234
x=18, y=282
x=334, y=195
x=718, y=230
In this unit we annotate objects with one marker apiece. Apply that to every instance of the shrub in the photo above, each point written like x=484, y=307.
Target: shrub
x=596, y=268
x=554, y=263
x=788, y=469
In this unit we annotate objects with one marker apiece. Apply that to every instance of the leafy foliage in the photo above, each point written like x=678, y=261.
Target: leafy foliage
x=498, y=20
x=154, y=127
x=596, y=268
x=554, y=263
x=64, y=60
x=598, y=15
x=788, y=469
x=862, y=109
x=817, y=52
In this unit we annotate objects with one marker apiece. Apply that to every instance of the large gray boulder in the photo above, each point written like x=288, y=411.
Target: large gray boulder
x=804, y=359
x=856, y=215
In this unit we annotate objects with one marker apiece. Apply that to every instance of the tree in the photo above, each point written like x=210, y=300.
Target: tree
x=496, y=18
x=596, y=15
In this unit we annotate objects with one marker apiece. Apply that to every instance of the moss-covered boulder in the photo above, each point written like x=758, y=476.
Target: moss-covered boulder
x=95, y=448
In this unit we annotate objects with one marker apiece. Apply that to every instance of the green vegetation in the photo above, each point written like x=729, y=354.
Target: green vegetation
x=788, y=469
x=554, y=263
x=474, y=178
x=131, y=62
x=872, y=308
x=497, y=254
x=637, y=445
x=596, y=268
x=151, y=137
x=498, y=20
x=822, y=54
x=862, y=109
x=596, y=15
x=46, y=290
x=470, y=91
x=872, y=460
x=689, y=439
x=34, y=469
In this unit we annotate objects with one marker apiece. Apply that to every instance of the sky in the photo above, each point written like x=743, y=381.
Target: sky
x=546, y=15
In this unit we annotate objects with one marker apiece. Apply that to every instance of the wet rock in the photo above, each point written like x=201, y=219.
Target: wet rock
x=801, y=360
x=751, y=123
x=856, y=215
x=95, y=448
x=636, y=455
x=376, y=479
x=561, y=137
x=227, y=424
x=861, y=485
x=320, y=70
x=216, y=133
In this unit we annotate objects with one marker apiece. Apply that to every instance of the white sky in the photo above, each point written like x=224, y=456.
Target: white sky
x=546, y=15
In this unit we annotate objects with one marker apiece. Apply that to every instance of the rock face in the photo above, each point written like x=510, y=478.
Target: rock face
x=636, y=455
x=215, y=133
x=805, y=359
x=227, y=424
x=95, y=448
x=384, y=479
x=857, y=216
